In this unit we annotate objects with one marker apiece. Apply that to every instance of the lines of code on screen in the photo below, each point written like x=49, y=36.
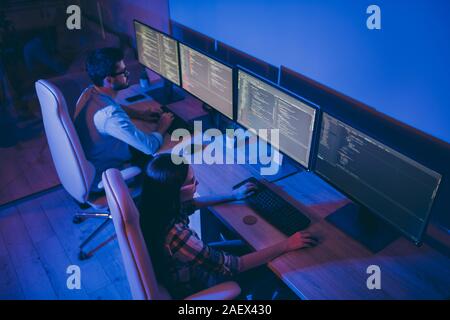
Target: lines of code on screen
x=262, y=106
x=157, y=52
x=208, y=80
x=390, y=184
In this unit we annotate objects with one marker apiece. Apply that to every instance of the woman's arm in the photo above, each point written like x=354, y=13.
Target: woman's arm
x=238, y=194
x=296, y=241
x=207, y=201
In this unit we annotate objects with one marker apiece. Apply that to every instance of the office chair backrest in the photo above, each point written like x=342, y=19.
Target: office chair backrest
x=74, y=171
x=137, y=261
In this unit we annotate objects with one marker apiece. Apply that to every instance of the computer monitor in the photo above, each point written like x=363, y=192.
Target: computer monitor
x=192, y=37
x=387, y=184
x=236, y=57
x=207, y=79
x=159, y=52
x=264, y=105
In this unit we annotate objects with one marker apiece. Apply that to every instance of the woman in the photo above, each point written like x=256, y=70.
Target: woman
x=182, y=261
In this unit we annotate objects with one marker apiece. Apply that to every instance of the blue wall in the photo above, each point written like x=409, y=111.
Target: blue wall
x=402, y=70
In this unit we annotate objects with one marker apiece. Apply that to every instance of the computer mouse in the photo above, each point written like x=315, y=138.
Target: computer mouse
x=249, y=220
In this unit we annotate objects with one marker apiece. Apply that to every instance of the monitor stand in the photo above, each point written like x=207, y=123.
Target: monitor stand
x=363, y=226
x=165, y=93
x=286, y=167
x=218, y=121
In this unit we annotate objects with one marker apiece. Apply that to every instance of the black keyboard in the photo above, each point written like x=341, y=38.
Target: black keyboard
x=276, y=210
x=135, y=98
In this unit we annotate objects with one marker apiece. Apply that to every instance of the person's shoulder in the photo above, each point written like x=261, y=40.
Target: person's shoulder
x=109, y=107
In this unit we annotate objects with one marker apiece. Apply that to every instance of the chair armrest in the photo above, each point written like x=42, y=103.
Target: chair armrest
x=223, y=291
x=126, y=173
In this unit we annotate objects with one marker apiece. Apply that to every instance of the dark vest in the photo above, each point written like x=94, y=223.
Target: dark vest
x=102, y=150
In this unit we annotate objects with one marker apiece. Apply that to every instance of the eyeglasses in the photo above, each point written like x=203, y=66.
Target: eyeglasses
x=125, y=72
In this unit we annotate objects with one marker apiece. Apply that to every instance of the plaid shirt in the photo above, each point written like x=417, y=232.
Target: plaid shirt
x=192, y=264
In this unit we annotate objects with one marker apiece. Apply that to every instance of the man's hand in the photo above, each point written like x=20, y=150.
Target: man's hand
x=155, y=108
x=150, y=112
x=149, y=115
x=244, y=191
x=164, y=123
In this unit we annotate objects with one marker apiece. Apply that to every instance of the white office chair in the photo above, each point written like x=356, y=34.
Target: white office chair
x=136, y=259
x=75, y=172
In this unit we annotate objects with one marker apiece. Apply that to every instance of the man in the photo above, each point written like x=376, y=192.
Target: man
x=104, y=127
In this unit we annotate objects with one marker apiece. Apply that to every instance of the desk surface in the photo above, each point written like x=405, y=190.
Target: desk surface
x=187, y=109
x=336, y=268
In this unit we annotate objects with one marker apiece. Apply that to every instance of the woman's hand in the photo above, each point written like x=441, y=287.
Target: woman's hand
x=244, y=191
x=300, y=240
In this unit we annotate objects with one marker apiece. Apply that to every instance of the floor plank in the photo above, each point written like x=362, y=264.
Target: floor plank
x=3, y=251
x=60, y=210
x=10, y=288
x=112, y=262
x=108, y=292
x=30, y=272
x=33, y=173
x=38, y=241
x=36, y=221
x=56, y=262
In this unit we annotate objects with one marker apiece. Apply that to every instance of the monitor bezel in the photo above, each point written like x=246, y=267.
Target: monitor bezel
x=224, y=47
x=170, y=37
x=309, y=103
x=209, y=40
x=417, y=241
x=233, y=72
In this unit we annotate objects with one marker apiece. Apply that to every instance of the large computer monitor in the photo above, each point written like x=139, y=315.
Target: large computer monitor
x=159, y=52
x=386, y=183
x=192, y=37
x=207, y=79
x=237, y=57
x=264, y=105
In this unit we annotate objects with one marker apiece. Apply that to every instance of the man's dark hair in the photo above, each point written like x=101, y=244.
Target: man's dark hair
x=102, y=63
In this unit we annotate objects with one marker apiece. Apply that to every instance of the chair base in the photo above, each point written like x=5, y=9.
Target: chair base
x=82, y=255
x=83, y=216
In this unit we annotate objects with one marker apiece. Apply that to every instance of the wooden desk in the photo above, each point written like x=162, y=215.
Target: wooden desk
x=336, y=268
x=187, y=109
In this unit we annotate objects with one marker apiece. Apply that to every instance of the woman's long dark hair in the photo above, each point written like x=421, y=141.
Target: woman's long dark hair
x=160, y=203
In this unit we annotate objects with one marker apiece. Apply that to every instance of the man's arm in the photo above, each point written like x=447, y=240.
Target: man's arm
x=113, y=121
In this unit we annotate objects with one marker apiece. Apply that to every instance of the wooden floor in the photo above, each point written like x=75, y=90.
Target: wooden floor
x=26, y=168
x=38, y=241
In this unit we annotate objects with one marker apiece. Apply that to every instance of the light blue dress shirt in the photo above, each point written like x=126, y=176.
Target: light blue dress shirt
x=114, y=121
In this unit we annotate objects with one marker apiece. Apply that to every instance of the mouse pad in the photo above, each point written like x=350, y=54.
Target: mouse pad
x=250, y=219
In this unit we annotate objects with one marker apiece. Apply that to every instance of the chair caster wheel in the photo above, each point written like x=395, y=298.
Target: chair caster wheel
x=78, y=219
x=83, y=255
